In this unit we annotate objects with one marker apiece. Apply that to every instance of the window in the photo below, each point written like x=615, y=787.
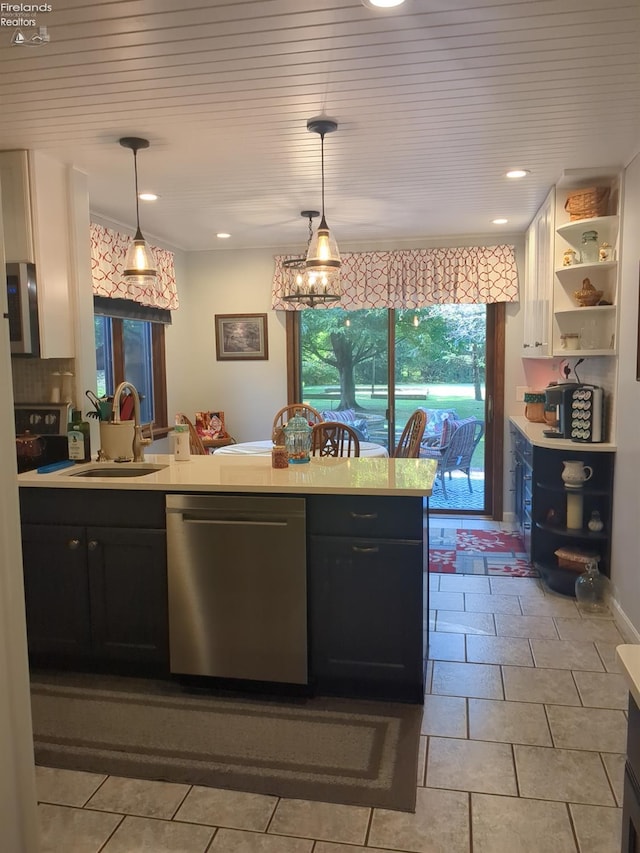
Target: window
x=132, y=349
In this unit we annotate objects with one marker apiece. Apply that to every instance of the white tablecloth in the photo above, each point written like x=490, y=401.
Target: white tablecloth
x=263, y=448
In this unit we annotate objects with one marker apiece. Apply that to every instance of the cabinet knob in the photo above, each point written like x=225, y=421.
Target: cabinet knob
x=526, y=346
x=92, y=544
x=73, y=544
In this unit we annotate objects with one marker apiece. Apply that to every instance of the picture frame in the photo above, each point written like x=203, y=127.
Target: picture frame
x=241, y=337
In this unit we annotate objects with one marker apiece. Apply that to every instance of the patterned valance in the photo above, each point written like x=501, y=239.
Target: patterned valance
x=108, y=252
x=414, y=278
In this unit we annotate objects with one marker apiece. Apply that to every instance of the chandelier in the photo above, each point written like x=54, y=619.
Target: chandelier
x=316, y=278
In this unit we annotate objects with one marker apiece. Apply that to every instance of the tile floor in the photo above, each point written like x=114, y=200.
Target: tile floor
x=522, y=751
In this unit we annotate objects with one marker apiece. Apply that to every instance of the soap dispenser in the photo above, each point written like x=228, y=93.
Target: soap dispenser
x=78, y=437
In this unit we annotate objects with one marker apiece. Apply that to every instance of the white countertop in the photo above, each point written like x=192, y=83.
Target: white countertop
x=534, y=433
x=629, y=657
x=220, y=473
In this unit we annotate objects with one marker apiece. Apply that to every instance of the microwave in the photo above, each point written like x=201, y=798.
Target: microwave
x=22, y=302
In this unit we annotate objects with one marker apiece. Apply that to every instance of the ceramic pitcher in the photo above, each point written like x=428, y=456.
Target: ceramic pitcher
x=576, y=473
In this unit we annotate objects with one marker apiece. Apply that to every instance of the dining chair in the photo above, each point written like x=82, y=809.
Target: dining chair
x=457, y=453
x=334, y=438
x=409, y=445
x=195, y=442
x=311, y=415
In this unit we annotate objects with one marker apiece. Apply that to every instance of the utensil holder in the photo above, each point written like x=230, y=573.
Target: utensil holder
x=116, y=439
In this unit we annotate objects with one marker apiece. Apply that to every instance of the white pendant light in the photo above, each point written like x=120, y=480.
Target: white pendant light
x=323, y=258
x=139, y=264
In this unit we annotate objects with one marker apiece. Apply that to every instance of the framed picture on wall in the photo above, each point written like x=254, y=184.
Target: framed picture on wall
x=241, y=337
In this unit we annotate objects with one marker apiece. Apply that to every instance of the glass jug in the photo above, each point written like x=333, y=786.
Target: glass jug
x=593, y=590
x=297, y=440
x=589, y=251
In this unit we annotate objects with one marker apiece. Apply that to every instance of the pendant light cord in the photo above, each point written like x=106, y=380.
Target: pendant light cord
x=135, y=172
x=322, y=168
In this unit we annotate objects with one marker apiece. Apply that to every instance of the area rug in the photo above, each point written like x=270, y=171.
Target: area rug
x=332, y=750
x=478, y=552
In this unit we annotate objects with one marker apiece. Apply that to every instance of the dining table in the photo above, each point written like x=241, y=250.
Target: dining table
x=263, y=448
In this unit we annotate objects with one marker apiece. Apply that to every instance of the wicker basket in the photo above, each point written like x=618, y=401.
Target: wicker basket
x=575, y=559
x=587, y=203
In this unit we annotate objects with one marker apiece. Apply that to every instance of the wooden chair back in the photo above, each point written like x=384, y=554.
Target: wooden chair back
x=287, y=412
x=195, y=442
x=409, y=445
x=334, y=438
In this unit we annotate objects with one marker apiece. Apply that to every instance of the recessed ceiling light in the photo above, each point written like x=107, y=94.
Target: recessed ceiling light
x=223, y=235
x=381, y=4
x=147, y=197
x=499, y=221
x=518, y=173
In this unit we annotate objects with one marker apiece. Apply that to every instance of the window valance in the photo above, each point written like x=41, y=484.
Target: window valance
x=414, y=278
x=108, y=251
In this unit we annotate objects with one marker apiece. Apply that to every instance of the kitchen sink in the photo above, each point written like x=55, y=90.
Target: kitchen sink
x=125, y=469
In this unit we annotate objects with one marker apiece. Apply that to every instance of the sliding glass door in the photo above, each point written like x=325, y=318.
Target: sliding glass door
x=380, y=365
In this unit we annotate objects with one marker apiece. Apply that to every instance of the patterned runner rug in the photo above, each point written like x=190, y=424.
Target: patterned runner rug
x=477, y=552
x=333, y=750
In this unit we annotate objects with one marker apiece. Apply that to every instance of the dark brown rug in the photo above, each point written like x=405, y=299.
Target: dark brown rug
x=332, y=750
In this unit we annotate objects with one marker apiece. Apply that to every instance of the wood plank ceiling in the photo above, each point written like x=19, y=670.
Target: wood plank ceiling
x=435, y=101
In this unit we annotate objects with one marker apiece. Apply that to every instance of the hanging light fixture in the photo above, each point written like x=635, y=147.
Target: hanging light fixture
x=139, y=264
x=296, y=270
x=323, y=258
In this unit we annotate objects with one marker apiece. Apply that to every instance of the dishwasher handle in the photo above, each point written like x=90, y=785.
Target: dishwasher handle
x=194, y=519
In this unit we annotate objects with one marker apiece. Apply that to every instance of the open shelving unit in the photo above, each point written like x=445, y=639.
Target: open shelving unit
x=598, y=323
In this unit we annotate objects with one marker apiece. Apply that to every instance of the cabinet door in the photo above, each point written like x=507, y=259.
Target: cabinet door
x=56, y=590
x=538, y=290
x=16, y=207
x=366, y=600
x=128, y=583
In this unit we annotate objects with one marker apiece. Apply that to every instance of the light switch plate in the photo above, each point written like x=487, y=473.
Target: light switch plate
x=520, y=392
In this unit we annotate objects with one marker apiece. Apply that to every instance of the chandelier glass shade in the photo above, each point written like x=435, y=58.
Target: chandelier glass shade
x=139, y=264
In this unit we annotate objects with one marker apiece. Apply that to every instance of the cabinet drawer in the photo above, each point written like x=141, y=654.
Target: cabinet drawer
x=97, y=507
x=371, y=516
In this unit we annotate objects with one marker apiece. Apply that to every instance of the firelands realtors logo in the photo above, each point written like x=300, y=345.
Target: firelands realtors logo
x=11, y=15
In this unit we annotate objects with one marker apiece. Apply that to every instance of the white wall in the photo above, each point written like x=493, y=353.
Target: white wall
x=228, y=282
x=625, y=560
x=18, y=817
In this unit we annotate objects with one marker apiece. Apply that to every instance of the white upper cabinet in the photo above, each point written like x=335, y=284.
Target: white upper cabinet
x=35, y=209
x=538, y=285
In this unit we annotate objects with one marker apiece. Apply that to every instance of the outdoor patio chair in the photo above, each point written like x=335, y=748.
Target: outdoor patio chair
x=333, y=438
x=282, y=417
x=457, y=453
x=409, y=445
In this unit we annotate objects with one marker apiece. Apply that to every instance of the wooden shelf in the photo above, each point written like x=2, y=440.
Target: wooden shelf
x=583, y=533
x=606, y=226
x=581, y=269
x=581, y=353
x=586, y=309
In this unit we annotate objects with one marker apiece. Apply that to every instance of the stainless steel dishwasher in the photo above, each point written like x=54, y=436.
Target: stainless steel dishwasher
x=237, y=587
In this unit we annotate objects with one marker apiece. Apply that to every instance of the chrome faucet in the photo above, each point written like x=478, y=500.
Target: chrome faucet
x=138, y=441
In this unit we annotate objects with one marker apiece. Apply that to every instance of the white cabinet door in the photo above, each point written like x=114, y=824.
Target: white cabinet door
x=538, y=289
x=35, y=209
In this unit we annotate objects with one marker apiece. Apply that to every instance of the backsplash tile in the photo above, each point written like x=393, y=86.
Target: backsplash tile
x=32, y=377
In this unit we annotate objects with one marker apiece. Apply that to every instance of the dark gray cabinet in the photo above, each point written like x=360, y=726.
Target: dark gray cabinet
x=366, y=596
x=631, y=801
x=95, y=593
x=522, y=485
x=540, y=504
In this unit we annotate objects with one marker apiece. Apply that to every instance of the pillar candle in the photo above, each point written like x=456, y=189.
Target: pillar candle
x=574, y=510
